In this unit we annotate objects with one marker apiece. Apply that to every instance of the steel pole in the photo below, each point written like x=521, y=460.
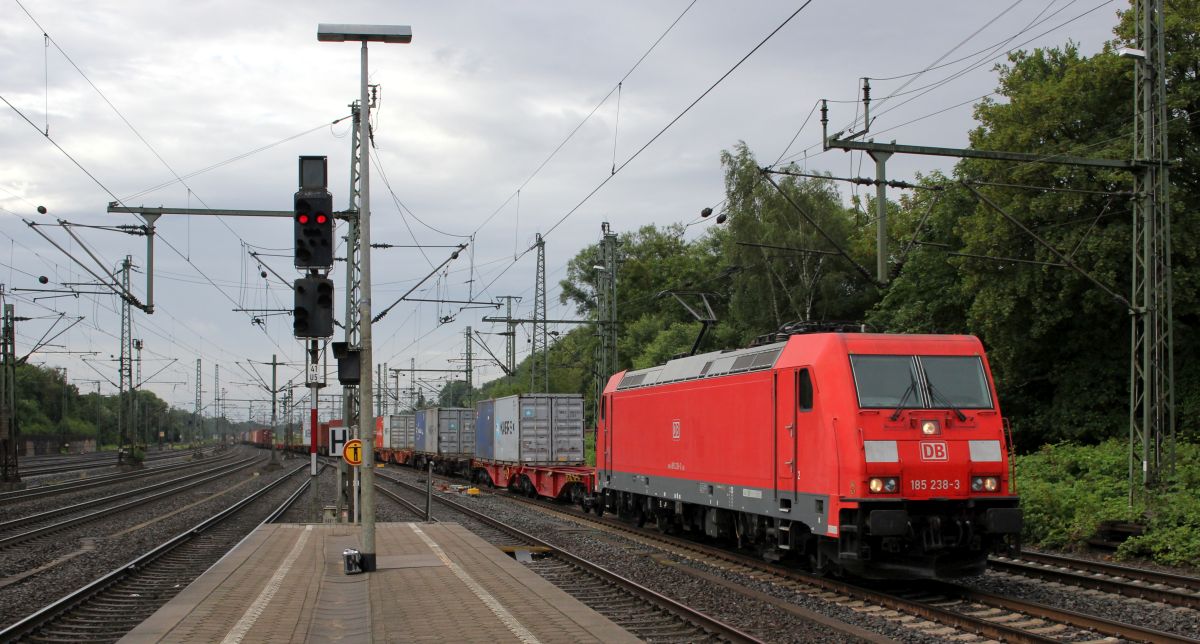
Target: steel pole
x=881, y=256
x=274, y=389
x=366, y=421
x=429, y=493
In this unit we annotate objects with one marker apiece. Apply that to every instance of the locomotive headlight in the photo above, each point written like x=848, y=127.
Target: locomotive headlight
x=883, y=485
x=985, y=484
x=929, y=427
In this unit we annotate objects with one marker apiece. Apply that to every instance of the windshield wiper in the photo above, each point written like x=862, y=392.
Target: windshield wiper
x=912, y=386
x=957, y=412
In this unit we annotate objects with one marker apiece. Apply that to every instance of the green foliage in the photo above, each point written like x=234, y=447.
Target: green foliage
x=454, y=394
x=1067, y=490
x=1173, y=516
x=136, y=455
x=48, y=408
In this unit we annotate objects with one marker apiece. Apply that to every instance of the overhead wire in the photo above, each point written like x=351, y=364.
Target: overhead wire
x=820, y=144
x=654, y=138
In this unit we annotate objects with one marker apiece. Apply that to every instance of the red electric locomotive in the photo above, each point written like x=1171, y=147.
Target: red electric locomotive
x=878, y=455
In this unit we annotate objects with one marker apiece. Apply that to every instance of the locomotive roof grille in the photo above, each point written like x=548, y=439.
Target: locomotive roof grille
x=708, y=365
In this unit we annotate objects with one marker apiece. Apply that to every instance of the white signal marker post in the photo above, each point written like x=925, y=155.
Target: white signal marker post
x=312, y=449
x=315, y=382
x=365, y=34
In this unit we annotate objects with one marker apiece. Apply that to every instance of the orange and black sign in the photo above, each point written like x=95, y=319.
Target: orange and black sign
x=353, y=451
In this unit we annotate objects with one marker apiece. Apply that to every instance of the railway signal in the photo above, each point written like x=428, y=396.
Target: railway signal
x=312, y=316
x=314, y=230
x=313, y=216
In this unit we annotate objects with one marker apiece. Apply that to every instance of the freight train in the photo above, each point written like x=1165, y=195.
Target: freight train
x=882, y=456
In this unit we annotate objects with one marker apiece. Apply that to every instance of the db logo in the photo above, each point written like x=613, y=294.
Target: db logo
x=933, y=451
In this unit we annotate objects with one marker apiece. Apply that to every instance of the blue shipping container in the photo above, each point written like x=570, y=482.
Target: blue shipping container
x=485, y=430
x=419, y=433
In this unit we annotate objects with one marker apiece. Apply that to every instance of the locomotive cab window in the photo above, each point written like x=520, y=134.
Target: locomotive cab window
x=958, y=381
x=914, y=382
x=886, y=381
x=804, y=392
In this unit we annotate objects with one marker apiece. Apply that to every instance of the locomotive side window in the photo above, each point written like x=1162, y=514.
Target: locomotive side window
x=957, y=380
x=886, y=381
x=805, y=393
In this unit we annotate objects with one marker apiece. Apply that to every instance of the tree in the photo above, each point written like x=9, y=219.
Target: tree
x=783, y=268
x=454, y=394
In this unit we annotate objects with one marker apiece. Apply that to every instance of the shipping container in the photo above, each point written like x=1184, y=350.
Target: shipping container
x=323, y=435
x=399, y=433
x=379, y=432
x=446, y=431
x=536, y=429
x=485, y=430
x=425, y=441
x=456, y=431
x=567, y=433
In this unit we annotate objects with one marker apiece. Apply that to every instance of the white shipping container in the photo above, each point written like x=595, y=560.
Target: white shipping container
x=506, y=439
x=539, y=429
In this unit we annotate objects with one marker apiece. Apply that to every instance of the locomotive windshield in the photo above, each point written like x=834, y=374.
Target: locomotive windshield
x=913, y=382
x=886, y=381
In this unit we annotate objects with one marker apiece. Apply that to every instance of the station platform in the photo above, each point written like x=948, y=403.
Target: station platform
x=434, y=583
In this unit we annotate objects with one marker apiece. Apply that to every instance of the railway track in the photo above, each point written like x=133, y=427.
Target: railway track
x=940, y=609
x=104, y=459
x=92, y=482
x=16, y=531
x=107, y=608
x=638, y=609
x=1167, y=588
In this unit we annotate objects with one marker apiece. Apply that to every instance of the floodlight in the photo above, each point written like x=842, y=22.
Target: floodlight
x=373, y=33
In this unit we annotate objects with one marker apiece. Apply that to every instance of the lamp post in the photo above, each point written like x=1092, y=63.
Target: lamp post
x=366, y=422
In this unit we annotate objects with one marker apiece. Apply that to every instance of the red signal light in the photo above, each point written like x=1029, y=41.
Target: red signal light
x=302, y=219
x=322, y=219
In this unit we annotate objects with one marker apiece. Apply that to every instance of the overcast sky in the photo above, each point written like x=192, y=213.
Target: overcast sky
x=141, y=93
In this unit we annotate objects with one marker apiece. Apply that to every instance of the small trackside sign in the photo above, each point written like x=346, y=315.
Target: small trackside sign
x=934, y=451
x=337, y=440
x=353, y=452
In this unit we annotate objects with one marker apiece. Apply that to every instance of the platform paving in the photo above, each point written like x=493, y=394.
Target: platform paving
x=434, y=583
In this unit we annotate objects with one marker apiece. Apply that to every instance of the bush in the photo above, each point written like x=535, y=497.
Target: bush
x=1067, y=490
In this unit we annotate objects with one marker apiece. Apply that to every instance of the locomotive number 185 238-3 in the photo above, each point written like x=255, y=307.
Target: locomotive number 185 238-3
x=935, y=484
